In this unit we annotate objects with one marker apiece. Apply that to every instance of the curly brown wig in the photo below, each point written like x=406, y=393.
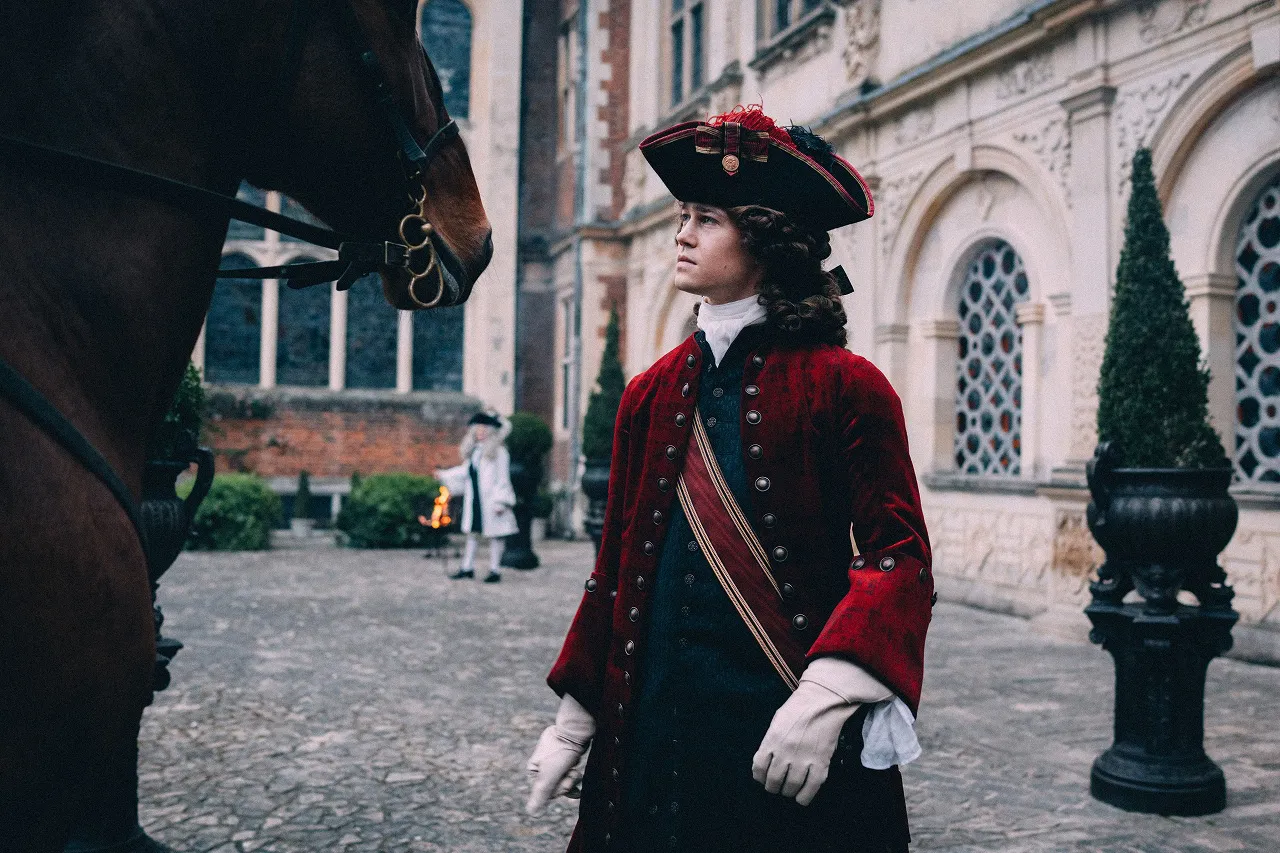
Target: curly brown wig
x=802, y=300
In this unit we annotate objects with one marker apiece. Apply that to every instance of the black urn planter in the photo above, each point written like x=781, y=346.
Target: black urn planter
x=166, y=519
x=517, y=551
x=595, y=485
x=1162, y=531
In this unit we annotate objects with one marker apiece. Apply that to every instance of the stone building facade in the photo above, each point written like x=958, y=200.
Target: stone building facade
x=996, y=136
x=337, y=382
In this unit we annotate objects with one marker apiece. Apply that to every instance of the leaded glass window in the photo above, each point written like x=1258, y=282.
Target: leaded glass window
x=371, y=336
x=988, y=437
x=445, y=27
x=302, y=341
x=437, y=349
x=233, y=330
x=1257, y=453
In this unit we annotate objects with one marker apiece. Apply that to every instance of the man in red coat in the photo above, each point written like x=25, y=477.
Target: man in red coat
x=747, y=659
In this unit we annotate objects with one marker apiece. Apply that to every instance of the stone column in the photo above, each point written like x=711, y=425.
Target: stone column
x=891, y=351
x=1088, y=111
x=1030, y=316
x=197, y=353
x=404, y=352
x=338, y=340
x=1213, y=297
x=934, y=414
x=270, y=329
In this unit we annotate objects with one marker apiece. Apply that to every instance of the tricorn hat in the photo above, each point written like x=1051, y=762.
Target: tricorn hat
x=743, y=157
x=486, y=419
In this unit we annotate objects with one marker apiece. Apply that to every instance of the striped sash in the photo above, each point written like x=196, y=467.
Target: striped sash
x=736, y=556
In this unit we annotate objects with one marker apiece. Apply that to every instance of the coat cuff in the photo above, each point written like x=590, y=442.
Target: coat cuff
x=881, y=622
x=579, y=671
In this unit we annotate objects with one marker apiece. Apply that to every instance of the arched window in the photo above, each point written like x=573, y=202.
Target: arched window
x=302, y=340
x=445, y=28
x=233, y=330
x=371, y=336
x=988, y=437
x=437, y=349
x=1257, y=454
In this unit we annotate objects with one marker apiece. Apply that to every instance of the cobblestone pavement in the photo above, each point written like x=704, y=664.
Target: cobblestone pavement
x=356, y=701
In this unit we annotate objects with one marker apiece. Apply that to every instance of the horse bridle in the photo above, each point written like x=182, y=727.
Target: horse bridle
x=418, y=254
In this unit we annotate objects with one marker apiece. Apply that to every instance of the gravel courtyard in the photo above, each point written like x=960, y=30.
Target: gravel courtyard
x=347, y=700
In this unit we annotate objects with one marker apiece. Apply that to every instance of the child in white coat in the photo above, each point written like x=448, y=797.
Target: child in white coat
x=484, y=480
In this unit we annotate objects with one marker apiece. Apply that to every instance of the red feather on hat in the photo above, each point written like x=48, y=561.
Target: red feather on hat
x=752, y=117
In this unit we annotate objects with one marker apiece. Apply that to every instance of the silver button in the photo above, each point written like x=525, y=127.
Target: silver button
x=887, y=564
x=689, y=579
x=680, y=419
x=626, y=676
x=799, y=621
x=711, y=422
x=634, y=614
x=630, y=647
x=762, y=484
x=780, y=554
x=692, y=546
x=639, y=581
x=752, y=390
x=671, y=451
x=924, y=574
x=859, y=562
x=690, y=360
x=755, y=451
x=592, y=585
x=657, y=517
x=757, y=360
x=663, y=484
x=788, y=591
x=753, y=417
x=649, y=547
x=717, y=392
x=769, y=519
x=684, y=392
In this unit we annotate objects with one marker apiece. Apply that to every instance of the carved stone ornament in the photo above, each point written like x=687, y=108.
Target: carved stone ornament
x=862, y=40
x=1024, y=76
x=893, y=197
x=914, y=126
x=1137, y=112
x=1052, y=145
x=1160, y=19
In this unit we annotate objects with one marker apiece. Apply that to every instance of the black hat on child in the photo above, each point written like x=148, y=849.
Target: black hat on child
x=486, y=419
x=744, y=157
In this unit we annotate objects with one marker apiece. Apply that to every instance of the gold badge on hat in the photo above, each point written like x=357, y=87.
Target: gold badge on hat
x=730, y=163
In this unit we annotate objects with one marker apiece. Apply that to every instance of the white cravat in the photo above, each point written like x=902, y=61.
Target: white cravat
x=722, y=323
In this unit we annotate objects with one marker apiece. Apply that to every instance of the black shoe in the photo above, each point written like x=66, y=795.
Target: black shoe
x=460, y=574
x=492, y=577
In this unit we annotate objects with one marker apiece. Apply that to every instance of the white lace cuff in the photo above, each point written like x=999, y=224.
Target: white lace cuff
x=889, y=736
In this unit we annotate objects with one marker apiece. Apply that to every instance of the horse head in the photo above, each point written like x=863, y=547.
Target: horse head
x=327, y=136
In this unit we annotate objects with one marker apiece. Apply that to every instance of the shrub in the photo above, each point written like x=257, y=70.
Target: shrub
x=602, y=405
x=176, y=436
x=530, y=438
x=1153, y=390
x=382, y=512
x=237, y=515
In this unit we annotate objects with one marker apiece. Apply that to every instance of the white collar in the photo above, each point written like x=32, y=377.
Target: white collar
x=723, y=323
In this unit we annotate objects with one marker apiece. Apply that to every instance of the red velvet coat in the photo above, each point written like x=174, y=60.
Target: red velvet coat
x=825, y=428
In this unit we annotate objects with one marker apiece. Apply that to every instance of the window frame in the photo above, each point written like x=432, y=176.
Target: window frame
x=693, y=64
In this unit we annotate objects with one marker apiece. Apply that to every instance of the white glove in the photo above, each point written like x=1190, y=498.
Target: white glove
x=559, y=750
x=795, y=755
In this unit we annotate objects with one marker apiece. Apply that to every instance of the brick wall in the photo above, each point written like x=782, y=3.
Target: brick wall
x=278, y=433
x=614, y=113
